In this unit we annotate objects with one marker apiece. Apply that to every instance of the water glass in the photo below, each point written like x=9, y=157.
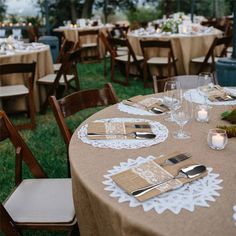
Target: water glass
x=173, y=96
x=182, y=116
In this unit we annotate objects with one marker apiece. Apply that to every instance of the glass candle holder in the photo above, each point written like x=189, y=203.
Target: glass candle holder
x=202, y=113
x=217, y=139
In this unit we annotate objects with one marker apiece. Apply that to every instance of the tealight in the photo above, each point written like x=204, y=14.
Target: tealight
x=217, y=139
x=202, y=113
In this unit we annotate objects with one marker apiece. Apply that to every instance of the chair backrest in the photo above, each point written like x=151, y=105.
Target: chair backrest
x=119, y=31
x=21, y=68
x=186, y=82
x=107, y=45
x=94, y=34
x=78, y=101
x=66, y=47
x=224, y=42
x=123, y=42
x=23, y=153
x=146, y=46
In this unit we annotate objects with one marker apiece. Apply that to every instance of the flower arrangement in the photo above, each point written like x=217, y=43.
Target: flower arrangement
x=170, y=25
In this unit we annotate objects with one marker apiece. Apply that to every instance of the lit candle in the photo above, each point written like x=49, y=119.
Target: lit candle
x=218, y=141
x=202, y=114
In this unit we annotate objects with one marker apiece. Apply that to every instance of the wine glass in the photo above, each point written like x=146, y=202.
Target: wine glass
x=173, y=96
x=182, y=116
x=205, y=83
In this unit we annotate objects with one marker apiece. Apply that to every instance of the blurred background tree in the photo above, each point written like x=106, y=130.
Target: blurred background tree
x=2, y=9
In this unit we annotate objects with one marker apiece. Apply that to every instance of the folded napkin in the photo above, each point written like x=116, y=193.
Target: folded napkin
x=116, y=130
x=152, y=172
x=216, y=93
x=146, y=103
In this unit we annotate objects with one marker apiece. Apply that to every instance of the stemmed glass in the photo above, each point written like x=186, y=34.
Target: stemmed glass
x=205, y=83
x=182, y=116
x=173, y=96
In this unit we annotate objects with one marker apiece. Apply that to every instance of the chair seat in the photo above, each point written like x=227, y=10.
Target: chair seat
x=125, y=58
x=42, y=201
x=89, y=45
x=158, y=60
x=201, y=60
x=49, y=79
x=56, y=67
x=13, y=90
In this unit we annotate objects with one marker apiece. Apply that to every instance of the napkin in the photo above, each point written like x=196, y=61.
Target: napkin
x=152, y=172
x=107, y=129
x=145, y=103
x=216, y=93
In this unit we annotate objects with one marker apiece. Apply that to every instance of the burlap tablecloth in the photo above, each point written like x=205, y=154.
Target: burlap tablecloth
x=186, y=47
x=72, y=34
x=101, y=215
x=44, y=66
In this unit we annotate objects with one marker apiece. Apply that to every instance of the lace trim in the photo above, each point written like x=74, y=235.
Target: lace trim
x=198, y=193
x=158, y=129
x=234, y=215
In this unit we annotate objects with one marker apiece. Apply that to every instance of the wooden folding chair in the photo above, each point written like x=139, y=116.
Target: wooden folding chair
x=155, y=59
x=76, y=102
x=67, y=46
x=61, y=82
x=88, y=42
x=211, y=57
x=186, y=82
x=124, y=60
x=37, y=203
x=19, y=89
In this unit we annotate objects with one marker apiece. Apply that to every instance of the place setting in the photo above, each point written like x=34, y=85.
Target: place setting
x=140, y=105
x=123, y=133
x=209, y=93
x=166, y=182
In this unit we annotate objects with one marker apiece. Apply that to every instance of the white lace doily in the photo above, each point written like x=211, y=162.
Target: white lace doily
x=196, y=97
x=234, y=215
x=197, y=193
x=158, y=129
x=137, y=111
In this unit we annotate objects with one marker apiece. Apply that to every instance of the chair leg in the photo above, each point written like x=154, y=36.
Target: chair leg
x=74, y=231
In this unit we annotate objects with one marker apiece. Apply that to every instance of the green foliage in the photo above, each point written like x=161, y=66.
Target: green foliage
x=229, y=116
x=230, y=130
x=2, y=9
x=143, y=15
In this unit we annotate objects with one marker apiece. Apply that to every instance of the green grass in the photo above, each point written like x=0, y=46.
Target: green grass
x=46, y=142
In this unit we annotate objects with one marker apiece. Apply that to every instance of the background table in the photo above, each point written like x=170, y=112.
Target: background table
x=72, y=34
x=100, y=214
x=185, y=47
x=44, y=66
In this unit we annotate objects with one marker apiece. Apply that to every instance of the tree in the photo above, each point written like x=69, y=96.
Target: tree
x=2, y=9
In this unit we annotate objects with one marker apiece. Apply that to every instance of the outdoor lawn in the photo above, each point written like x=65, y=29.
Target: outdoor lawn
x=46, y=142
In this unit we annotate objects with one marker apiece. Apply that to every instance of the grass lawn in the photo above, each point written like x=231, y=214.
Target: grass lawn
x=46, y=142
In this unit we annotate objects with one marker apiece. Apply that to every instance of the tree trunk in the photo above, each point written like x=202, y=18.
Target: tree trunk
x=73, y=11
x=87, y=8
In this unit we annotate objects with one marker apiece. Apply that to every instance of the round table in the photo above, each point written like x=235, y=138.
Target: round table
x=44, y=65
x=71, y=33
x=185, y=46
x=100, y=214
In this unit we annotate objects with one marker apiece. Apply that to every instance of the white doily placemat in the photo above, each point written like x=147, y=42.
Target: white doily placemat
x=158, y=129
x=196, y=97
x=136, y=111
x=197, y=193
x=234, y=215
